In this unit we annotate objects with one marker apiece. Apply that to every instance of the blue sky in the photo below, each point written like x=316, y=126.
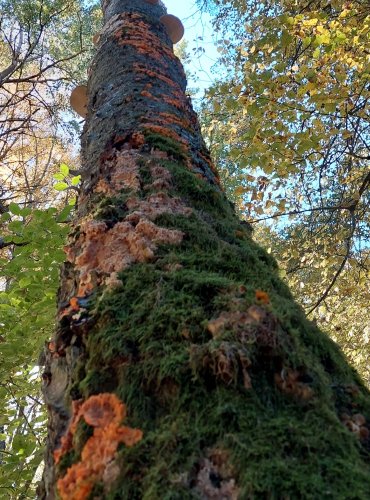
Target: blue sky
x=199, y=35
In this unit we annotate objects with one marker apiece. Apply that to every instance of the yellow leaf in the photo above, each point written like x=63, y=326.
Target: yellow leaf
x=310, y=22
x=240, y=190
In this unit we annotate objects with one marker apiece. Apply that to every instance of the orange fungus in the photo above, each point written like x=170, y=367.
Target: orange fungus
x=105, y=413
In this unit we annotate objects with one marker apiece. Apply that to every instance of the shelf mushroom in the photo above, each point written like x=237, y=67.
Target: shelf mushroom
x=78, y=100
x=174, y=27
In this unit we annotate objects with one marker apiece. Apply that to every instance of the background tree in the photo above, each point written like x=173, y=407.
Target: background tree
x=289, y=126
x=43, y=49
x=169, y=307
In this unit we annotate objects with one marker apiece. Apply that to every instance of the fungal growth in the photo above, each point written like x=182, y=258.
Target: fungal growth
x=78, y=100
x=174, y=27
x=104, y=414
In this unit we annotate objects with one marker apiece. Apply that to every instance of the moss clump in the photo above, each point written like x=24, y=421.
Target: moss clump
x=97, y=381
x=200, y=194
x=66, y=460
x=194, y=392
x=98, y=491
x=112, y=209
x=80, y=437
x=166, y=144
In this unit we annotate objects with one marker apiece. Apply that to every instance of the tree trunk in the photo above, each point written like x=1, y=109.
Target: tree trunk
x=170, y=312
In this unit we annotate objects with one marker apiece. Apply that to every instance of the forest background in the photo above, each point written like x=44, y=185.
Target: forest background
x=283, y=100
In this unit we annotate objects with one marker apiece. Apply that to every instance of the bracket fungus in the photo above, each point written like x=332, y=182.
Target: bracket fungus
x=174, y=27
x=78, y=100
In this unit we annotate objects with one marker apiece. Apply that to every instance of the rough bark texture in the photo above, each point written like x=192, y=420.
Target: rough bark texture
x=169, y=312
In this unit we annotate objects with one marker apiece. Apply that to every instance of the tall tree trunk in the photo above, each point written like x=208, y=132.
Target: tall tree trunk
x=169, y=312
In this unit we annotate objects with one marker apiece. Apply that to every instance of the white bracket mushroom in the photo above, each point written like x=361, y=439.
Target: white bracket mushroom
x=174, y=27
x=78, y=100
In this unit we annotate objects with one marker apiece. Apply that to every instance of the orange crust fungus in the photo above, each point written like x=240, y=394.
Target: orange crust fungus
x=134, y=31
x=356, y=424
x=123, y=172
x=255, y=324
x=262, y=297
x=105, y=413
x=101, y=252
x=288, y=381
x=104, y=251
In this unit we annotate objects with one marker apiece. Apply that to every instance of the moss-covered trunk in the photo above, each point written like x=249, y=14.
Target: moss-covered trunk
x=169, y=312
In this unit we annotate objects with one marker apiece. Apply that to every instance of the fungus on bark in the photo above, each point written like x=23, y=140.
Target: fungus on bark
x=78, y=100
x=174, y=27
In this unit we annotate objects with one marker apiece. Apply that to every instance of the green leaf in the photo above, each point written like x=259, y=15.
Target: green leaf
x=64, y=169
x=6, y=216
x=23, y=282
x=16, y=226
x=59, y=176
x=26, y=211
x=15, y=209
x=75, y=180
x=64, y=214
x=60, y=186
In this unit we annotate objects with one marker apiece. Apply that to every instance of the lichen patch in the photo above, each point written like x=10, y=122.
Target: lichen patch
x=104, y=251
x=122, y=172
x=254, y=325
x=155, y=205
x=291, y=382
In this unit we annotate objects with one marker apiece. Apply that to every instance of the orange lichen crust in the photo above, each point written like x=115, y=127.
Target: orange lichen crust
x=154, y=58
x=175, y=119
x=290, y=382
x=262, y=297
x=104, y=251
x=123, y=172
x=155, y=205
x=105, y=413
x=133, y=30
x=158, y=75
x=100, y=252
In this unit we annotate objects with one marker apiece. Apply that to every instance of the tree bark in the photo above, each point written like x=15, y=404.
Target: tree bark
x=169, y=312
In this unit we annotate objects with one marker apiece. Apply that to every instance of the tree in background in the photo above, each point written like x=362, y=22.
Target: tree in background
x=172, y=320
x=290, y=131
x=43, y=48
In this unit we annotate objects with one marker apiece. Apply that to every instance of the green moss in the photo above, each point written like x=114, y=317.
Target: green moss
x=114, y=208
x=97, y=380
x=66, y=461
x=151, y=346
x=98, y=491
x=165, y=144
x=200, y=194
x=82, y=434
x=145, y=173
